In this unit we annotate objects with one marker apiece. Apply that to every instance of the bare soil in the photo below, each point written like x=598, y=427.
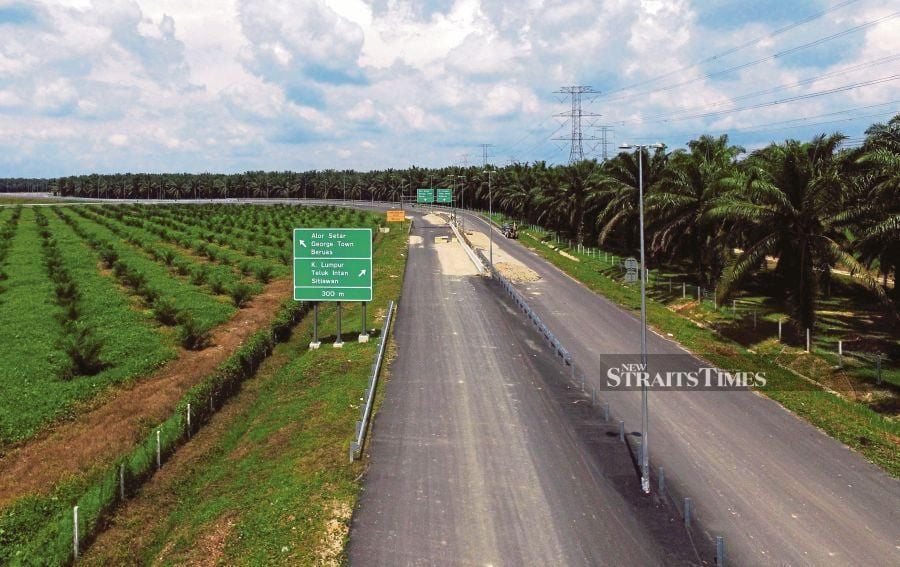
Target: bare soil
x=110, y=429
x=511, y=268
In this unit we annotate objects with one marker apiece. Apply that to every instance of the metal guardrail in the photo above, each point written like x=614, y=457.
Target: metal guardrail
x=363, y=424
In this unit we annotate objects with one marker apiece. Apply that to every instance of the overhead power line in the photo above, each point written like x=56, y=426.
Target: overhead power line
x=735, y=49
x=774, y=102
x=777, y=88
x=755, y=62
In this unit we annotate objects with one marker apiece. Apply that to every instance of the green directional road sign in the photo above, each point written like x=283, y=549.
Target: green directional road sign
x=333, y=264
x=444, y=195
x=424, y=195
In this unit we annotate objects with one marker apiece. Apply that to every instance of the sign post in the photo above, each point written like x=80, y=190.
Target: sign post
x=332, y=264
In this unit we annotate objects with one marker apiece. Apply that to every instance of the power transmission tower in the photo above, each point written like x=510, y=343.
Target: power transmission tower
x=575, y=115
x=604, y=141
x=484, y=153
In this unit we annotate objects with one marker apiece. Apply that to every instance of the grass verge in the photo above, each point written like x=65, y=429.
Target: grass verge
x=269, y=482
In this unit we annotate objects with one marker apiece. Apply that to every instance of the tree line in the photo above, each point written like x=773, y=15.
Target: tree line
x=720, y=213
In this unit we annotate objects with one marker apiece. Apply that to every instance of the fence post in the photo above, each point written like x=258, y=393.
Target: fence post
x=720, y=551
x=688, y=504
x=807, y=339
x=75, y=531
x=188, y=413
x=122, y=482
x=621, y=431
x=840, y=353
x=606, y=411
x=158, y=451
x=779, y=330
x=683, y=290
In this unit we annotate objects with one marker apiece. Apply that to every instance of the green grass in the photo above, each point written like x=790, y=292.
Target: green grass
x=30, y=357
x=206, y=309
x=855, y=424
x=38, y=528
x=279, y=472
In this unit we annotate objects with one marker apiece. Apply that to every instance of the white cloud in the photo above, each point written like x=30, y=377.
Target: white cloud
x=245, y=84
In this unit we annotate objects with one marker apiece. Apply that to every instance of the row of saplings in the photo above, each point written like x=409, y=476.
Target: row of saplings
x=191, y=335
x=240, y=292
x=7, y=231
x=79, y=340
x=199, y=275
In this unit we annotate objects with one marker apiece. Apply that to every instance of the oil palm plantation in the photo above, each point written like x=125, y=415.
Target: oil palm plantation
x=788, y=199
x=617, y=192
x=677, y=206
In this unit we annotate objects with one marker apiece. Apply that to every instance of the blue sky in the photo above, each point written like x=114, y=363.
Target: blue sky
x=232, y=85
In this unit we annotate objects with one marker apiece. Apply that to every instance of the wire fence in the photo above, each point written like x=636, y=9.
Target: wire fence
x=73, y=523
x=853, y=354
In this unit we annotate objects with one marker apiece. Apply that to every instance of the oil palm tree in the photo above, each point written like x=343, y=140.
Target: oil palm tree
x=685, y=192
x=618, y=193
x=789, y=199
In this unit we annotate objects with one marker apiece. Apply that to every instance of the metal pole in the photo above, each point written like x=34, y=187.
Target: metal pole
x=75, y=531
x=807, y=339
x=490, y=219
x=840, y=353
x=645, y=417
x=158, y=451
x=339, y=341
x=362, y=330
x=316, y=322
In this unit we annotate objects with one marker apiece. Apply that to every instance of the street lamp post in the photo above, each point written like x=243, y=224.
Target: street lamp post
x=462, y=194
x=645, y=409
x=490, y=218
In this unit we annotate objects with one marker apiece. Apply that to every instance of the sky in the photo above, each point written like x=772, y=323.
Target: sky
x=235, y=85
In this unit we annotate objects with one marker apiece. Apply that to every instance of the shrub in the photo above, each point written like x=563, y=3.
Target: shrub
x=167, y=256
x=240, y=294
x=216, y=286
x=165, y=312
x=199, y=276
x=263, y=273
x=190, y=334
x=82, y=348
x=182, y=268
x=108, y=256
x=66, y=293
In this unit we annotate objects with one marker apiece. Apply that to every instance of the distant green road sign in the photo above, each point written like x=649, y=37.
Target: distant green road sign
x=333, y=264
x=444, y=195
x=424, y=195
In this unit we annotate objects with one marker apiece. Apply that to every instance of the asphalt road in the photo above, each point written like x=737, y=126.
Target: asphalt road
x=481, y=455
x=779, y=490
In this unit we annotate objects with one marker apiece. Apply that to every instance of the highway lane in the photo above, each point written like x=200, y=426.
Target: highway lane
x=480, y=456
x=779, y=490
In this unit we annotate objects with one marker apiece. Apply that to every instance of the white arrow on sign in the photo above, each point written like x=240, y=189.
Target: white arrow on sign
x=302, y=243
x=361, y=273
